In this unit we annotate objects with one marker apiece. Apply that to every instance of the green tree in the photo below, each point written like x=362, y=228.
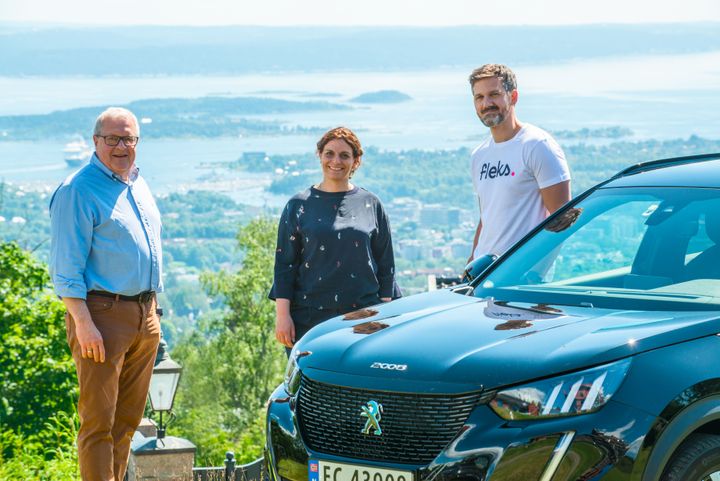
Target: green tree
x=251, y=315
x=38, y=387
x=186, y=297
x=37, y=375
x=232, y=364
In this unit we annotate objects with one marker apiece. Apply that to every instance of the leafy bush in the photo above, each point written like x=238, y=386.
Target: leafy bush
x=38, y=424
x=37, y=375
x=37, y=457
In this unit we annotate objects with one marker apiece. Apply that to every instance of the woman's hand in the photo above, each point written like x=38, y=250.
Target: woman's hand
x=386, y=299
x=284, y=325
x=285, y=330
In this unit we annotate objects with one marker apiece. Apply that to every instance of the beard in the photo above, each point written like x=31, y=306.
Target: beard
x=494, y=120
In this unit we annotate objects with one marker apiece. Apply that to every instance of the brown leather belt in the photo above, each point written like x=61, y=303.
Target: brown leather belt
x=143, y=297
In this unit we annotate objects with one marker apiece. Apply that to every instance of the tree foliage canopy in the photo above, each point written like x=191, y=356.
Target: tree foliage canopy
x=38, y=424
x=37, y=375
x=232, y=365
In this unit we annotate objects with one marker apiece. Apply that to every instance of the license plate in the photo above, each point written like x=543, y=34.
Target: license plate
x=330, y=471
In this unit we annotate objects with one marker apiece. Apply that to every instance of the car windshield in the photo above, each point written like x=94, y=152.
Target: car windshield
x=622, y=248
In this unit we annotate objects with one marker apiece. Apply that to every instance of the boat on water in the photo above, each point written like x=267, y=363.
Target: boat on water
x=77, y=152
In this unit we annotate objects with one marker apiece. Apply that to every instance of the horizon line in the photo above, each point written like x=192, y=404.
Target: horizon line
x=95, y=25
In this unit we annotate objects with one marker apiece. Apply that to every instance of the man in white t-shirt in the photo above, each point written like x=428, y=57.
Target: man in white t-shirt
x=519, y=173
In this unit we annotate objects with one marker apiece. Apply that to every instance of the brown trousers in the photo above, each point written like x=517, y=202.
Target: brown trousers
x=113, y=393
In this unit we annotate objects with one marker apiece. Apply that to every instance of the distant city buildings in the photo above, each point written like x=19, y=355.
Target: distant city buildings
x=412, y=249
x=430, y=231
x=460, y=247
x=406, y=209
x=436, y=214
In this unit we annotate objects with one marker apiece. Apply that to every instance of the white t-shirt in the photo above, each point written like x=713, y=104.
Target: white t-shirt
x=507, y=178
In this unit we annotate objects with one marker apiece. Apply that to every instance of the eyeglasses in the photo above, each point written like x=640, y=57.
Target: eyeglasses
x=113, y=140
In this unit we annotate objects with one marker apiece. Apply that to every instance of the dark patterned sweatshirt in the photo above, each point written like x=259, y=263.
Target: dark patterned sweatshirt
x=334, y=251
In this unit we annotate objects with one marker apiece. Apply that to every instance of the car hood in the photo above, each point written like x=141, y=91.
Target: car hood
x=457, y=343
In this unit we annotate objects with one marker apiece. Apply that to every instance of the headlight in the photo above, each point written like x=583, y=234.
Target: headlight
x=292, y=372
x=569, y=395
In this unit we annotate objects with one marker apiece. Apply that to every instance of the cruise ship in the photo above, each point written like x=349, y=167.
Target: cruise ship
x=77, y=152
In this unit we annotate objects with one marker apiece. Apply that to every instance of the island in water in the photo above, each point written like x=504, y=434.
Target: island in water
x=206, y=117
x=381, y=97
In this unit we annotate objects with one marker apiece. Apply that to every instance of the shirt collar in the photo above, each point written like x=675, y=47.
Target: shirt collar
x=98, y=163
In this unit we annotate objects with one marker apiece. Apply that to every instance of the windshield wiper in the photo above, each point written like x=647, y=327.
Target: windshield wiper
x=590, y=291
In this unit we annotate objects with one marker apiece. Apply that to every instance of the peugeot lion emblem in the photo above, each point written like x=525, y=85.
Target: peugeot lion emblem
x=373, y=412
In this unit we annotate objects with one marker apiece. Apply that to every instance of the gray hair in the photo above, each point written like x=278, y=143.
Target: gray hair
x=114, y=112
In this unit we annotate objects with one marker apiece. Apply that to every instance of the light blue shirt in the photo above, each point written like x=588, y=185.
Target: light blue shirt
x=105, y=234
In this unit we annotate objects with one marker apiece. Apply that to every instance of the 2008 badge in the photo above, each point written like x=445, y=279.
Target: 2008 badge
x=388, y=366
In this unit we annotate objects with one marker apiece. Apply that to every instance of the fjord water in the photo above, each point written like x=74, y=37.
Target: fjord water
x=660, y=97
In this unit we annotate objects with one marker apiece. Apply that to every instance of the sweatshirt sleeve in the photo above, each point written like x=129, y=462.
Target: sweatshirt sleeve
x=382, y=251
x=287, y=255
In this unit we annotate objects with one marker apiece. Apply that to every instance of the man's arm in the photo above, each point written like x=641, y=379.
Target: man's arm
x=555, y=196
x=87, y=334
x=71, y=227
x=71, y=232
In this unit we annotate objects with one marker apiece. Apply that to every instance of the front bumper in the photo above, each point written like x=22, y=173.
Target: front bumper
x=488, y=448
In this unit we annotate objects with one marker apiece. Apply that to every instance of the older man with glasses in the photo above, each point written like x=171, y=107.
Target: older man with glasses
x=105, y=262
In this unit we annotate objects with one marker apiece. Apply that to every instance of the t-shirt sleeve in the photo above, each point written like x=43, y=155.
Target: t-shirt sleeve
x=548, y=164
x=382, y=251
x=287, y=255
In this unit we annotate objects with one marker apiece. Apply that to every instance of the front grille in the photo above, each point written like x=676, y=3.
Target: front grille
x=415, y=427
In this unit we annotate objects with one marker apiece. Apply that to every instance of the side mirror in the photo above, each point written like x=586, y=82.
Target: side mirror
x=478, y=266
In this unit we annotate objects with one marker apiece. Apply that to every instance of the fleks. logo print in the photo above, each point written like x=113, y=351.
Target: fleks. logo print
x=489, y=171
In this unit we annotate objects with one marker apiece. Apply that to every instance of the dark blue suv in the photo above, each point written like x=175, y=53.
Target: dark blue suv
x=590, y=350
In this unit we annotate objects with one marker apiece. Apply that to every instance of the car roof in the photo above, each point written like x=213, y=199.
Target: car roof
x=693, y=171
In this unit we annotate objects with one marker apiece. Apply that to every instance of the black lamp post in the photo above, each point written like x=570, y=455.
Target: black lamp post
x=163, y=385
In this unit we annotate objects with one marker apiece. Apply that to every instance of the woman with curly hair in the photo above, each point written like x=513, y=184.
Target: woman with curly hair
x=334, y=250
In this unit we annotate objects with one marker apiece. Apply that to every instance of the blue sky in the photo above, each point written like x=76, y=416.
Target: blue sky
x=357, y=12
